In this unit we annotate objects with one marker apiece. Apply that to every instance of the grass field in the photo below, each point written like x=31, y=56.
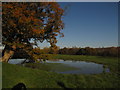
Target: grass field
x=35, y=78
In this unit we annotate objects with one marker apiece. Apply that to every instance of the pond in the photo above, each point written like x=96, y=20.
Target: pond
x=70, y=67
x=16, y=61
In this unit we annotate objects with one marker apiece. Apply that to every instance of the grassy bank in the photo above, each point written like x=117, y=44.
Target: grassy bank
x=35, y=78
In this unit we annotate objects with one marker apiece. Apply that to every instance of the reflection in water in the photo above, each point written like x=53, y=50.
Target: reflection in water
x=16, y=61
x=82, y=67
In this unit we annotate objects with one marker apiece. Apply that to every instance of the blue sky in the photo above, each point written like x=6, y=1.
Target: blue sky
x=93, y=24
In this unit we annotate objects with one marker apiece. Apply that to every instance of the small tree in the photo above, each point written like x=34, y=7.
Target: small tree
x=26, y=21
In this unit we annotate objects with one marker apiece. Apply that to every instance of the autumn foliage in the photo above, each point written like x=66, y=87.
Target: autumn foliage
x=23, y=22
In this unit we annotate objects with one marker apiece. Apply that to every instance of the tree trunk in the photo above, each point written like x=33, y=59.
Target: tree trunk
x=8, y=52
x=7, y=56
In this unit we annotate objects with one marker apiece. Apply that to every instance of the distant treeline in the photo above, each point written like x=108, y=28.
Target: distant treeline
x=107, y=51
x=104, y=51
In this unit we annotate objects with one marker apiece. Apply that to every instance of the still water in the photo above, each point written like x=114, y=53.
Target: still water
x=16, y=61
x=82, y=67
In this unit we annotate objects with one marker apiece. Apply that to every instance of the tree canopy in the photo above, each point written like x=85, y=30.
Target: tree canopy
x=26, y=21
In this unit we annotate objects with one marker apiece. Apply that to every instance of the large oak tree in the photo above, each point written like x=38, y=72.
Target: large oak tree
x=23, y=22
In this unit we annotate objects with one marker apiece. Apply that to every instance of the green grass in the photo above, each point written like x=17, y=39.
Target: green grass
x=35, y=78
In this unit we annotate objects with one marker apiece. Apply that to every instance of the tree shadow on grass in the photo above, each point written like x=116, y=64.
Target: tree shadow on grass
x=19, y=86
x=61, y=84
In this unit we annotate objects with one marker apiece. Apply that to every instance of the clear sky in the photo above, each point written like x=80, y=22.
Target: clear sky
x=93, y=24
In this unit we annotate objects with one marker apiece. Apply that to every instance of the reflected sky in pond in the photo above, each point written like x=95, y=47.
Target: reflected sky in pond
x=16, y=61
x=84, y=67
